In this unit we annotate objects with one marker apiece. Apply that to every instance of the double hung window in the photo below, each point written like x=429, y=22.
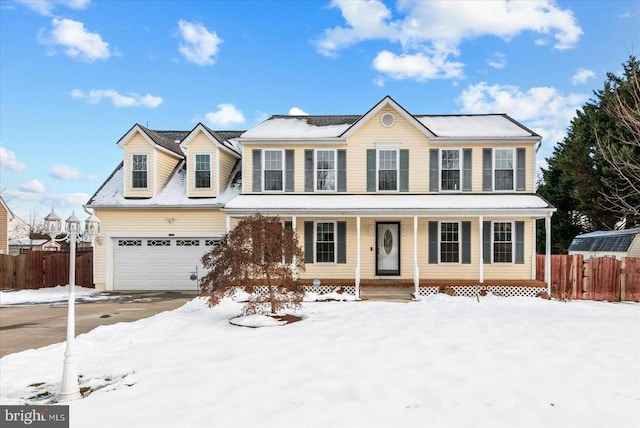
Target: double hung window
x=450, y=169
x=502, y=242
x=325, y=242
x=449, y=242
x=388, y=170
x=203, y=171
x=273, y=170
x=503, y=169
x=139, y=171
x=326, y=170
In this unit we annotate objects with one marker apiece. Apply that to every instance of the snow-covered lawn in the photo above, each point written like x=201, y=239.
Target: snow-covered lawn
x=49, y=295
x=442, y=362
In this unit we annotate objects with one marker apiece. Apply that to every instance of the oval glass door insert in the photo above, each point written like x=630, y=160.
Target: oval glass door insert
x=387, y=241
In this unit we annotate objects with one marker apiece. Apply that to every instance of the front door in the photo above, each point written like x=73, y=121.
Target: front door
x=388, y=248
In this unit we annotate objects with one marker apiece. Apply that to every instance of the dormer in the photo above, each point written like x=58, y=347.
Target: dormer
x=210, y=156
x=149, y=159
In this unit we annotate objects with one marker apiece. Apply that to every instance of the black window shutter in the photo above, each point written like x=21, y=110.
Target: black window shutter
x=371, y=170
x=434, y=171
x=289, y=165
x=433, y=242
x=466, y=170
x=308, y=242
x=288, y=225
x=521, y=166
x=404, y=170
x=487, y=164
x=308, y=170
x=519, y=242
x=342, y=242
x=257, y=170
x=486, y=241
x=466, y=242
x=342, y=170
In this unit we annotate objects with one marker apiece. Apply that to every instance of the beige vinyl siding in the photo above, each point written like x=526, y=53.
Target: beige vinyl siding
x=150, y=221
x=4, y=225
x=405, y=134
x=227, y=162
x=200, y=145
x=138, y=145
x=165, y=164
x=634, y=248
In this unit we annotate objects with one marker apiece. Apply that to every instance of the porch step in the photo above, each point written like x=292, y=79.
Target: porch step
x=386, y=293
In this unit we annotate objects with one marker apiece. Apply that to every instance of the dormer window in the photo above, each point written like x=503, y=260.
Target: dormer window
x=139, y=172
x=203, y=171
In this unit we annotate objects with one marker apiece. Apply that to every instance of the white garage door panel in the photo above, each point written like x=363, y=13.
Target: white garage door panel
x=158, y=264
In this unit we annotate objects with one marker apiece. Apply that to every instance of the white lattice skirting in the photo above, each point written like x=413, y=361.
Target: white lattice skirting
x=323, y=289
x=507, y=291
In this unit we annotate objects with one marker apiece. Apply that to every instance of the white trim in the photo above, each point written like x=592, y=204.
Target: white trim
x=513, y=242
x=335, y=242
x=459, y=223
x=193, y=175
x=441, y=170
x=357, y=272
x=482, y=255
x=534, y=254
x=514, y=167
x=547, y=253
x=387, y=114
x=416, y=268
x=315, y=170
x=218, y=184
x=130, y=170
x=397, y=151
x=284, y=169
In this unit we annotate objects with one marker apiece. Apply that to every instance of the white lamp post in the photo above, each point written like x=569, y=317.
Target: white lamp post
x=69, y=390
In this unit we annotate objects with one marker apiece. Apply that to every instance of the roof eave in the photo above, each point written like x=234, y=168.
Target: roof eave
x=315, y=140
x=395, y=212
x=528, y=139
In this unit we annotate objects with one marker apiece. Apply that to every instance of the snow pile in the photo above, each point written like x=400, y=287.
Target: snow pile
x=442, y=362
x=49, y=295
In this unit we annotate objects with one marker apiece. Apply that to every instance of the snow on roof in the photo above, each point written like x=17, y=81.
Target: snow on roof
x=24, y=242
x=479, y=126
x=380, y=204
x=173, y=194
x=294, y=127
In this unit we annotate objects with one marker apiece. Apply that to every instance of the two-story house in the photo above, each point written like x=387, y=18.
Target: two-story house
x=386, y=197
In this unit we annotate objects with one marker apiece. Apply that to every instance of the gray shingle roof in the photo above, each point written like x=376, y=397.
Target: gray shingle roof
x=167, y=139
x=322, y=120
x=614, y=240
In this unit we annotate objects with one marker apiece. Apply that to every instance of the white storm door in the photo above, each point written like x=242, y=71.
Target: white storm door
x=388, y=248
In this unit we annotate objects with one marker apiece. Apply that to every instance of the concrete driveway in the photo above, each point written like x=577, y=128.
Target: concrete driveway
x=33, y=326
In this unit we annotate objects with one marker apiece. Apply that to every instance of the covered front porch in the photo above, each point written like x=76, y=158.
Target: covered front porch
x=426, y=242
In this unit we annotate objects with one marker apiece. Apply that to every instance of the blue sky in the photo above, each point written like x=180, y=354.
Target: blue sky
x=75, y=75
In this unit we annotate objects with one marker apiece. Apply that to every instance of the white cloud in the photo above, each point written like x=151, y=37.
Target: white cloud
x=132, y=99
x=419, y=66
x=379, y=81
x=544, y=109
x=64, y=172
x=581, y=76
x=32, y=186
x=429, y=32
x=45, y=7
x=200, y=45
x=295, y=111
x=497, y=60
x=227, y=114
x=9, y=160
x=76, y=40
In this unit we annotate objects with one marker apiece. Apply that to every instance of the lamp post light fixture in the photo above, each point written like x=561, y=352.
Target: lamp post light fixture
x=69, y=389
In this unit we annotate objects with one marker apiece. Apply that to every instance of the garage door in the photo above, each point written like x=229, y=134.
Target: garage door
x=158, y=263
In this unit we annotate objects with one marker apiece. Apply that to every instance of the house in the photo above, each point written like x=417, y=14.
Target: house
x=6, y=216
x=385, y=197
x=23, y=245
x=607, y=243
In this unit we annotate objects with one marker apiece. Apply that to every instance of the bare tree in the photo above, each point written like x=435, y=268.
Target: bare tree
x=262, y=257
x=620, y=144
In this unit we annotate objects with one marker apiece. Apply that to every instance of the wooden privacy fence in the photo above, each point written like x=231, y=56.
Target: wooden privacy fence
x=599, y=278
x=37, y=269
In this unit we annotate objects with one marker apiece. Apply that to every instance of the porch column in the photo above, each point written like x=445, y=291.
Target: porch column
x=293, y=259
x=357, y=279
x=481, y=260
x=547, y=253
x=416, y=269
x=534, y=256
x=228, y=224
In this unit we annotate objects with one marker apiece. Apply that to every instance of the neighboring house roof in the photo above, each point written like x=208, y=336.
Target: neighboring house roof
x=478, y=126
x=347, y=204
x=605, y=240
x=173, y=194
